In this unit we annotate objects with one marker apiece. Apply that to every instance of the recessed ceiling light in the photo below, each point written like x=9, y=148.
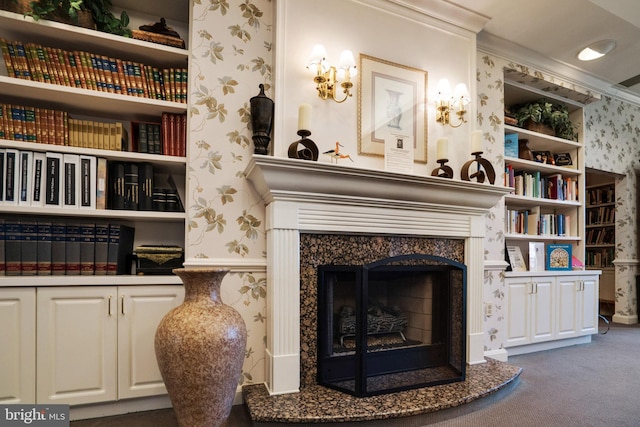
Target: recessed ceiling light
x=596, y=50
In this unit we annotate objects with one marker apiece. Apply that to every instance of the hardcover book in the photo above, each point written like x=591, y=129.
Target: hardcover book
x=511, y=145
x=559, y=256
x=88, y=182
x=101, y=249
x=54, y=180
x=120, y=250
x=39, y=172
x=12, y=247
x=101, y=183
x=3, y=266
x=44, y=248
x=87, y=249
x=58, y=251
x=25, y=162
x=71, y=180
x=11, y=176
x=28, y=248
x=72, y=249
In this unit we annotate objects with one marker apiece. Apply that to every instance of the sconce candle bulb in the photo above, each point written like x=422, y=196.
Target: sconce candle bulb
x=304, y=117
x=327, y=77
x=442, y=149
x=446, y=103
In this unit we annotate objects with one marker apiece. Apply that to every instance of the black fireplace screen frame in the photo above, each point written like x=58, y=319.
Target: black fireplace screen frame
x=361, y=372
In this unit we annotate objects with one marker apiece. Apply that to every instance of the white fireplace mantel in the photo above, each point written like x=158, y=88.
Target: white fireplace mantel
x=306, y=196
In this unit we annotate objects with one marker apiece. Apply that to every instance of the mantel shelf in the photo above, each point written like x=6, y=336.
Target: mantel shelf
x=282, y=178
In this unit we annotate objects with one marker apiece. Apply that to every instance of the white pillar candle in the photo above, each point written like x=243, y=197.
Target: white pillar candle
x=443, y=148
x=476, y=141
x=304, y=117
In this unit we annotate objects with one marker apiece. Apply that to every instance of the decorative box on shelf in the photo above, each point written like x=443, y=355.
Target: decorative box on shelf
x=158, y=259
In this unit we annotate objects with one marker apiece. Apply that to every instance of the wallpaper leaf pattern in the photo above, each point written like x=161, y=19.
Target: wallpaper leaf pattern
x=230, y=56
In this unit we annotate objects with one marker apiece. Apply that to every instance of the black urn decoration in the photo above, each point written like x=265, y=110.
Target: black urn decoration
x=261, y=121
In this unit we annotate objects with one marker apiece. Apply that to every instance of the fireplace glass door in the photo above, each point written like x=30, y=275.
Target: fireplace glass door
x=392, y=325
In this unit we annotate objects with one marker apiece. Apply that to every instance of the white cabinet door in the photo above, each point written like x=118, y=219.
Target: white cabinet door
x=588, y=309
x=518, y=311
x=77, y=346
x=568, y=306
x=18, y=350
x=140, y=310
x=530, y=310
x=542, y=309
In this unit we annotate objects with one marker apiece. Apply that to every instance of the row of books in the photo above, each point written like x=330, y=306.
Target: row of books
x=601, y=215
x=51, y=179
x=600, y=258
x=600, y=236
x=169, y=137
x=132, y=186
x=45, y=247
x=532, y=222
x=533, y=184
x=42, y=125
x=80, y=69
x=598, y=196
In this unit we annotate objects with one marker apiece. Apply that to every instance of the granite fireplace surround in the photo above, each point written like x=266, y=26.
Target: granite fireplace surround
x=398, y=214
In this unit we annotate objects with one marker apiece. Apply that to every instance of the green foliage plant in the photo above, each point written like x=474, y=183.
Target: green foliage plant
x=100, y=11
x=556, y=116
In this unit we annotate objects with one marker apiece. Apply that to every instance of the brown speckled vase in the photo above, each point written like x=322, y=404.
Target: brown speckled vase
x=200, y=347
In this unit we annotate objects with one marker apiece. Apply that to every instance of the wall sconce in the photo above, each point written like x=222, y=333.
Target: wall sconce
x=327, y=76
x=446, y=103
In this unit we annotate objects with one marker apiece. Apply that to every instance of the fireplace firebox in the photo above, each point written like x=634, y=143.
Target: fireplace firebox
x=391, y=325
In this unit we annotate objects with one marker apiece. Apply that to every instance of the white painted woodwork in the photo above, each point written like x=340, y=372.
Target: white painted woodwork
x=140, y=309
x=18, y=353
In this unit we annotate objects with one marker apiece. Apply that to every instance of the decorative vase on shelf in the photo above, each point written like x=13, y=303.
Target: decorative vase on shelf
x=200, y=347
x=261, y=121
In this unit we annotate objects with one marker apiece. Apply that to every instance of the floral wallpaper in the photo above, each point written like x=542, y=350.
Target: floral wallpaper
x=611, y=140
x=231, y=55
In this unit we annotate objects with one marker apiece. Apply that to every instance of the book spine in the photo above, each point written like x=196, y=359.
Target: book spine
x=8, y=59
x=145, y=186
x=88, y=181
x=101, y=183
x=28, y=248
x=11, y=176
x=72, y=249
x=87, y=249
x=58, y=248
x=26, y=177
x=39, y=172
x=71, y=180
x=54, y=179
x=44, y=248
x=116, y=199
x=101, y=249
x=12, y=247
x=131, y=188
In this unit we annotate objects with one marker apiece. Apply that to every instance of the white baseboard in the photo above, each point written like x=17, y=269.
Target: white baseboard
x=530, y=348
x=81, y=412
x=500, y=354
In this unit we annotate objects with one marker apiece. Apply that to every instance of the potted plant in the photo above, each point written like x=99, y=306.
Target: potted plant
x=546, y=117
x=74, y=12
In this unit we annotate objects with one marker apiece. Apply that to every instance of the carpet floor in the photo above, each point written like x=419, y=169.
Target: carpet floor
x=589, y=385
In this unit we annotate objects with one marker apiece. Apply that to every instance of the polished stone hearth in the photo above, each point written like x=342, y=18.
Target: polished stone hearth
x=317, y=404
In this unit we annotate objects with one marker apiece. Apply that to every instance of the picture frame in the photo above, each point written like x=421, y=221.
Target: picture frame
x=391, y=98
x=563, y=159
x=516, y=260
x=544, y=157
x=536, y=256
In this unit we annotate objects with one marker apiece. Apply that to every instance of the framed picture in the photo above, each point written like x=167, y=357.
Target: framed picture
x=516, y=260
x=536, y=256
x=563, y=159
x=391, y=100
x=544, y=157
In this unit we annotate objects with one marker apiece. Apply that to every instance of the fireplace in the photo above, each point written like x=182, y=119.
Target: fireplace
x=304, y=199
x=391, y=325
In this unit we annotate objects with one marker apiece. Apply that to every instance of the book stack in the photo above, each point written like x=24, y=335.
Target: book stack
x=43, y=248
x=158, y=38
x=80, y=69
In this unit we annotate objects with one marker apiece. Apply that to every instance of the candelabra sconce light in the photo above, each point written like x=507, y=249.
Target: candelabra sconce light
x=451, y=108
x=329, y=79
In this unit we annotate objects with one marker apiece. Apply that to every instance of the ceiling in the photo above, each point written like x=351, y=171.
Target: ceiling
x=558, y=29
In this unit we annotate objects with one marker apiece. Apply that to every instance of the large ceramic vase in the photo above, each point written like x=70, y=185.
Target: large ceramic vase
x=200, y=347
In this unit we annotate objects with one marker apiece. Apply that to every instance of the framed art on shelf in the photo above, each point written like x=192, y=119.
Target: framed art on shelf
x=516, y=259
x=391, y=99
